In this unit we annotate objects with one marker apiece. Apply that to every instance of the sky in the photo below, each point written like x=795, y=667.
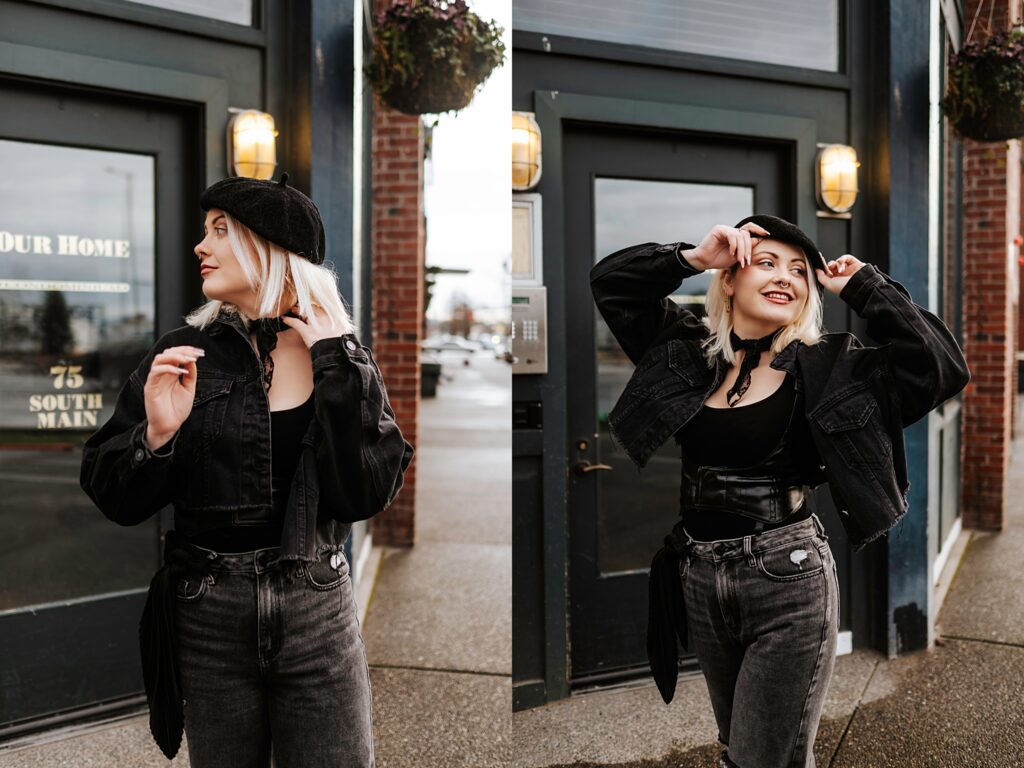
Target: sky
x=468, y=188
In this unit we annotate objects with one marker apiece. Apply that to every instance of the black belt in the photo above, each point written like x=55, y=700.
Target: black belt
x=157, y=638
x=765, y=498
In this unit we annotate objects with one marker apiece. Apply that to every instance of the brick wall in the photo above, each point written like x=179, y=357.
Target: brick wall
x=991, y=221
x=398, y=239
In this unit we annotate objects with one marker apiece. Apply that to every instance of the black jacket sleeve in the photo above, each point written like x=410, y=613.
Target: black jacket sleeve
x=123, y=477
x=362, y=455
x=925, y=362
x=631, y=288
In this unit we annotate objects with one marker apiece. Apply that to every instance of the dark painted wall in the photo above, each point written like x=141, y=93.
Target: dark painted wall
x=850, y=107
x=910, y=582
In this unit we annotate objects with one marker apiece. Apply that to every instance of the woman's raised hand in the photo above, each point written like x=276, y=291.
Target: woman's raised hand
x=842, y=270
x=320, y=326
x=168, y=399
x=723, y=246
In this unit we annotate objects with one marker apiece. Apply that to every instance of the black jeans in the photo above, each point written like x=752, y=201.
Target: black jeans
x=271, y=659
x=763, y=615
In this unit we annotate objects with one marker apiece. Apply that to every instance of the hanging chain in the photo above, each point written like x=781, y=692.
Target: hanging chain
x=974, y=21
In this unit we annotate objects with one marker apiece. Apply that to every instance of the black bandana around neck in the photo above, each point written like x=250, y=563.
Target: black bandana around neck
x=754, y=348
x=267, y=329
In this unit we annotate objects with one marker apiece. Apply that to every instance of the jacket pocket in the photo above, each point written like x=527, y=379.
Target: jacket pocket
x=688, y=362
x=206, y=422
x=854, y=425
x=669, y=369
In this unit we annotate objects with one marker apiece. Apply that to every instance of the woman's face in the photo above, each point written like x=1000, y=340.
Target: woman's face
x=225, y=281
x=771, y=292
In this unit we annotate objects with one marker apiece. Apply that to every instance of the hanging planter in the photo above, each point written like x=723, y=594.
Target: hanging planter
x=985, y=96
x=429, y=56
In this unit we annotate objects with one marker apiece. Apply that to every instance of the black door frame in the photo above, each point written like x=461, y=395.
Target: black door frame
x=74, y=70
x=57, y=631
x=606, y=646
x=552, y=109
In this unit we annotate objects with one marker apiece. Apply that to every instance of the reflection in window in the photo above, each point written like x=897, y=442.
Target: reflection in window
x=234, y=11
x=797, y=33
x=76, y=317
x=633, y=516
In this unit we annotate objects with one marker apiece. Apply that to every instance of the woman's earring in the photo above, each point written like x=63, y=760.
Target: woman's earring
x=728, y=304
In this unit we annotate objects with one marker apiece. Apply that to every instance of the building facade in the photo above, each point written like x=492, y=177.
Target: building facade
x=657, y=123
x=113, y=119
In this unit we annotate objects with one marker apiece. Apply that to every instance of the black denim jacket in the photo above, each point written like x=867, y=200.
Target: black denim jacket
x=857, y=398
x=216, y=470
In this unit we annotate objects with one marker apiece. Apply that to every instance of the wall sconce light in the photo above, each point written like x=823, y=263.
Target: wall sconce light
x=836, y=173
x=252, y=150
x=526, y=162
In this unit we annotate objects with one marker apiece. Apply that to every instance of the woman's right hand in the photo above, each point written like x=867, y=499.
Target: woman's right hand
x=723, y=246
x=168, y=400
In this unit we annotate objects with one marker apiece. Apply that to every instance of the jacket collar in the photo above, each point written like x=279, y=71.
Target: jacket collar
x=786, y=359
x=227, y=320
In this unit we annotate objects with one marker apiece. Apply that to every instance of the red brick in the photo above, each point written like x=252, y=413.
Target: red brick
x=398, y=242
x=992, y=324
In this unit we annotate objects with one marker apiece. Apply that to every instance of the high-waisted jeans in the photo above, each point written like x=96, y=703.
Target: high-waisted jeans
x=271, y=659
x=763, y=615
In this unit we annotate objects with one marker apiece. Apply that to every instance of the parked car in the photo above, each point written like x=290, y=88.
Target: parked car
x=487, y=340
x=449, y=343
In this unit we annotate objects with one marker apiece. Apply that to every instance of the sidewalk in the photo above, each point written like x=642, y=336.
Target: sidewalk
x=958, y=705
x=438, y=630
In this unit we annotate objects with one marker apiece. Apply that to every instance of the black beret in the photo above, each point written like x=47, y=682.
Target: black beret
x=280, y=213
x=789, y=233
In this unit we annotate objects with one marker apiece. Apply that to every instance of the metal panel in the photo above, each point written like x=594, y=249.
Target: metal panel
x=796, y=33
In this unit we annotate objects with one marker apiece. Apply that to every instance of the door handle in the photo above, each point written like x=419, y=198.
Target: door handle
x=582, y=467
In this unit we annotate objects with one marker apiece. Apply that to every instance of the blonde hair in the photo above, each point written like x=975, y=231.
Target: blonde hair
x=270, y=270
x=807, y=327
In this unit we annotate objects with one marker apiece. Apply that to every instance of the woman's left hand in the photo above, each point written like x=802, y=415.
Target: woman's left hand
x=842, y=270
x=315, y=328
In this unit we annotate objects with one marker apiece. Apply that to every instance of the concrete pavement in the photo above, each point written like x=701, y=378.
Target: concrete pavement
x=438, y=630
x=958, y=705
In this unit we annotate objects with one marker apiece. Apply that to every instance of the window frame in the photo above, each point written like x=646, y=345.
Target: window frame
x=682, y=60
x=179, y=21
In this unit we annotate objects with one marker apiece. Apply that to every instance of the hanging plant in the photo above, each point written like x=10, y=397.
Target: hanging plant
x=430, y=56
x=985, y=95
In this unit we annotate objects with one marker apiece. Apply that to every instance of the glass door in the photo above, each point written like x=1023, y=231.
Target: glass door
x=625, y=188
x=87, y=185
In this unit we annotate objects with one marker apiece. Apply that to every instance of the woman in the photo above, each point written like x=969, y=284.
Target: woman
x=766, y=407
x=269, y=435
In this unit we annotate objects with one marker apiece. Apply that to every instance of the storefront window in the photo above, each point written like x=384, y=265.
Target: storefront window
x=77, y=314
x=633, y=517
x=797, y=33
x=234, y=11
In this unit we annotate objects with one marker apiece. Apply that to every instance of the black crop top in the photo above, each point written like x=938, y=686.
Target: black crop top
x=742, y=435
x=287, y=428
x=739, y=437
